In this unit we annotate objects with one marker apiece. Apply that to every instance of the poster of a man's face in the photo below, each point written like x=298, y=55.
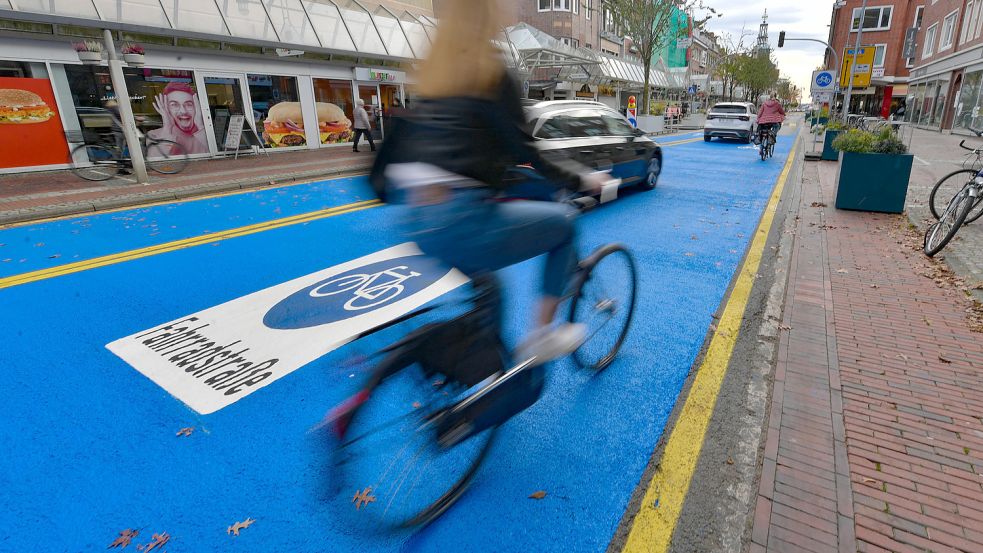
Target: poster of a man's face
x=181, y=119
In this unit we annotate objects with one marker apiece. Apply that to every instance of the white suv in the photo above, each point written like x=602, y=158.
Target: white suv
x=731, y=120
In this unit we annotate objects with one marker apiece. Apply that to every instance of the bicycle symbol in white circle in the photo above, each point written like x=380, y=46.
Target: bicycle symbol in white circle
x=367, y=292
x=824, y=79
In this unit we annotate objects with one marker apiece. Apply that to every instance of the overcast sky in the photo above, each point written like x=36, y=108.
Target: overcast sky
x=798, y=18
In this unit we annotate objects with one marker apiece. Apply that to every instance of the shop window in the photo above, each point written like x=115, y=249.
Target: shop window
x=14, y=69
x=335, y=103
x=281, y=126
x=164, y=101
x=967, y=109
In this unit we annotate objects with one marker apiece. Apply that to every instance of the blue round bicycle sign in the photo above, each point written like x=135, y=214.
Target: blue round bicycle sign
x=824, y=79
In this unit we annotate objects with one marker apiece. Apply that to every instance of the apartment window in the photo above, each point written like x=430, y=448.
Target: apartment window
x=879, y=51
x=570, y=41
x=930, y=40
x=545, y=5
x=561, y=5
x=588, y=7
x=875, y=19
x=964, y=33
x=948, y=30
x=974, y=32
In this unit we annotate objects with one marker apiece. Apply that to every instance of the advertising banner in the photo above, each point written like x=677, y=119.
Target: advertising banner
x=30, y=128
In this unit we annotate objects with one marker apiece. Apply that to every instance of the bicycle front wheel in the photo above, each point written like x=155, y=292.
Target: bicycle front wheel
x=946, y=189
x=99, y=163
x=396, y=466
x=943, y=230
x=165, y=156
x=604, y=301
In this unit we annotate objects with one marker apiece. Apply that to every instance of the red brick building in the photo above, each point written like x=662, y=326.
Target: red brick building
x=884, y=25
x=948, y=68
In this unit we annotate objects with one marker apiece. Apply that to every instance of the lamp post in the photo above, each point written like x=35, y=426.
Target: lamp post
x=130, y=131
x=856, y=50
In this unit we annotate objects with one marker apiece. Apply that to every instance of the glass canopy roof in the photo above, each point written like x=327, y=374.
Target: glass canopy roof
x=342, y=25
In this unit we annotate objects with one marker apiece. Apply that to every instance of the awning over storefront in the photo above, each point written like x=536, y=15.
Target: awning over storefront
x=344, y=26
x=538, y=50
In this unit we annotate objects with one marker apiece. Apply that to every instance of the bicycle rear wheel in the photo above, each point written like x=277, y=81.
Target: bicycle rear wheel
x=102, y=162
x=397, y=465
x=604, y=300
x=165, y=156
x=943, y=230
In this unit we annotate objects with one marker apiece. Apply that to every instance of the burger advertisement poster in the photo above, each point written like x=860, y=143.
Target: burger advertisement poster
x=30, y=129
x=284, y=125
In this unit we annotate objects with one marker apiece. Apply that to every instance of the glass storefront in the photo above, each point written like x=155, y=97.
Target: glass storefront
x=335, y=104
x=164, y=102
x=280, y=130
x=926, y=102
x=970, y=102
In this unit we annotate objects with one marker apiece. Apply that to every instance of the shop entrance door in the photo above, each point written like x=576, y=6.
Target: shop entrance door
x=221, y=97
x=370, y=94
x=390, y=97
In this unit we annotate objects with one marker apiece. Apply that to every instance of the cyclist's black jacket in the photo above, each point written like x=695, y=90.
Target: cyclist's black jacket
x=479, y=138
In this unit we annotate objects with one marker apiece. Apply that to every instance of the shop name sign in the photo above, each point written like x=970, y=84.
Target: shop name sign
x=379, y=75
x=213, y=358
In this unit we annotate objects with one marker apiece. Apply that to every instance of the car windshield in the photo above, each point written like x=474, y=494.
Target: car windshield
x=584, y=124
x=729, y=109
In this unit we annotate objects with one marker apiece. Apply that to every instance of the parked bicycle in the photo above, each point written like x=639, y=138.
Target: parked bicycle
x=950, y=185
x=411, y=440
x=963, y=207
x=103, y=160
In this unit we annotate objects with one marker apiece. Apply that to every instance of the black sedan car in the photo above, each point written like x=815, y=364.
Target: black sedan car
x=593, y=134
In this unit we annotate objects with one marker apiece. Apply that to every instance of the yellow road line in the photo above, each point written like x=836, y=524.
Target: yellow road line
x=187, y=199
x=652, y=528
x=130, y=255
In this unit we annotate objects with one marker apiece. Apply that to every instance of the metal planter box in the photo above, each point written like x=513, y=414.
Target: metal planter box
x=873, y=182
x=829, y=154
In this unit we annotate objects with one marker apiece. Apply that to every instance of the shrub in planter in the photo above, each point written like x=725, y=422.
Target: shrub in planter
x=874, y=171
x=833, y=130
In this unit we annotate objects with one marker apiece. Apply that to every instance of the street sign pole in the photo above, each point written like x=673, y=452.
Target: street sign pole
x=853, y=66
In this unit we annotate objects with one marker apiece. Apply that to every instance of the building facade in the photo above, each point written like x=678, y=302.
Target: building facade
x=674, y=54
x=885, y=24
x=946, y=79
x=206, y=65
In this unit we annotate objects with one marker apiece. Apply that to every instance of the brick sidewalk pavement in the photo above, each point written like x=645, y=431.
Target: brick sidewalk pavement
x=27, y=196
x=875, y=439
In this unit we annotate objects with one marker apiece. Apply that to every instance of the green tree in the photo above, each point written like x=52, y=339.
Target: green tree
x=648, y=23
x=756, y=74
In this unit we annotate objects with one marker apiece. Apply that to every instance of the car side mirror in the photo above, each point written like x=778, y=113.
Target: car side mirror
x=638, y=132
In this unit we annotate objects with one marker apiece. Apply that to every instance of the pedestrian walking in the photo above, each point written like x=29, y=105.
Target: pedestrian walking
x=362, y=125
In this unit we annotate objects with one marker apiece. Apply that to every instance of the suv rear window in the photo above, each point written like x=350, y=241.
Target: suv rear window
x=729, y=109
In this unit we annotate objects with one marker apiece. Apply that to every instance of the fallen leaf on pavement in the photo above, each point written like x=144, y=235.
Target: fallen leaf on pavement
x=417, y=405
x=363, y=498
x=870, y=481
x=842, y=271
x=818, y=204
x=690, y=254
x=124, y=539
x=730, y=461
x=902, y=356
x=944, y=359
x=185, y=431
x=538, y=495
x=234, y=529
x=158, y=541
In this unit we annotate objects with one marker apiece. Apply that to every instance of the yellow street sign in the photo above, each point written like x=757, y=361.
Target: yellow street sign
x=862, y=71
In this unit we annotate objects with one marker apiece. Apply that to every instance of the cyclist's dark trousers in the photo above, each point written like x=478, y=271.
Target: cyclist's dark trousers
x=120, y=139
x=773, y=128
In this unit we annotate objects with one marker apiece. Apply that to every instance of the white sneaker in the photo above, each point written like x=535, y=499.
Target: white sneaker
x=551, y=342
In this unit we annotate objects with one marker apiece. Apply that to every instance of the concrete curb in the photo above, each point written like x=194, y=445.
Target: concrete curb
x=175, y=194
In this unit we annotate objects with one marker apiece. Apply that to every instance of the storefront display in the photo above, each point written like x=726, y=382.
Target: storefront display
x=969, y=104
x=335, y=110
x=30, y=129
x=277, y=110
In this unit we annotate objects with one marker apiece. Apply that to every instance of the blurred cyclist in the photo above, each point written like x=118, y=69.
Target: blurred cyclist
x=770, y=117
x=446, y=160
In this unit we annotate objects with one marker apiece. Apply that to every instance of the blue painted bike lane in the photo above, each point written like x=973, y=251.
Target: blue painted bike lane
x=93, y=444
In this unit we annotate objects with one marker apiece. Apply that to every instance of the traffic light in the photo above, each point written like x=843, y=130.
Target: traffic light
x=781, y=39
